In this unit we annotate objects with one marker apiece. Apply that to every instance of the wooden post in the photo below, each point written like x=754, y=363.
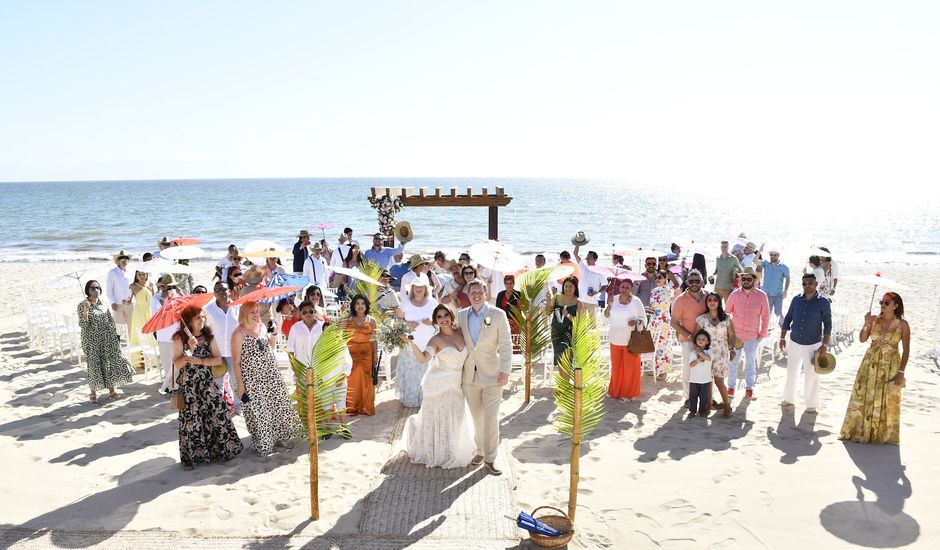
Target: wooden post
x=494, y=222
x=575, y=447
x=314, y=456
x=528, y=354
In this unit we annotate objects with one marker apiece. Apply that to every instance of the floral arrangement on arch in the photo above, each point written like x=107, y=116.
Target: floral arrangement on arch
x=387, y=207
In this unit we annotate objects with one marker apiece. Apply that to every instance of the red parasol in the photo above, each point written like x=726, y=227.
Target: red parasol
x=185, y=241
x=266, y=292
x=170, y=312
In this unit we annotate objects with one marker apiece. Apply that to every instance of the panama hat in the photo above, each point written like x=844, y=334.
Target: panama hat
x=750, y=246
x=303, y=233
x=403, y=232
x=824, y=363
x=167, y=280
x=580, y=239
x=417, y=260
x=121, y=254
x=749, y=271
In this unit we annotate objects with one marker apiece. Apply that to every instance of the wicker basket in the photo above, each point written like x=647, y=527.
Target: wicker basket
x=560, y=522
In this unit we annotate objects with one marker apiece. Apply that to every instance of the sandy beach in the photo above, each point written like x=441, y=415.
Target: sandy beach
x=75, y=475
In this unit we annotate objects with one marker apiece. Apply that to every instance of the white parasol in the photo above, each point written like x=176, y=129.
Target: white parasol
x=616, y=272
x=260, y=244
x=877, y=280
x=355, y=274
x=187, y=252
x=159, y=266
x=497, y=256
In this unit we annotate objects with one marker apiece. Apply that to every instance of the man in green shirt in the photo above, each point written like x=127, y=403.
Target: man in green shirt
x=726, y=269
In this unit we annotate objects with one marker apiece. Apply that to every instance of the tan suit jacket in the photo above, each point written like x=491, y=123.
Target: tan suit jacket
x=492, y=354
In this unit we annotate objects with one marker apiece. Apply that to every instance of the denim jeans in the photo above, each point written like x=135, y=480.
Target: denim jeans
x=775, y=304
x=699, y=397
x=750, y=365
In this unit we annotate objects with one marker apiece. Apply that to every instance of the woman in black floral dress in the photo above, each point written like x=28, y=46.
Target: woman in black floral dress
x=271, y=420
x=107, y=367
x=206, y=432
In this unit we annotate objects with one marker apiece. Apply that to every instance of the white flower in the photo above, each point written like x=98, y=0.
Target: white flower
x=487, y=320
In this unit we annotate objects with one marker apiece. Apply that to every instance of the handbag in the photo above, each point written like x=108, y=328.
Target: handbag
x=176, y=401
x=375, y=369
x=641, y=341
x=218, y=371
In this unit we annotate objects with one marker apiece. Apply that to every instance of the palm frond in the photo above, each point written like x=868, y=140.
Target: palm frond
x=328, y=356
x=584, y=354
x=534, y=325
x=370, y=290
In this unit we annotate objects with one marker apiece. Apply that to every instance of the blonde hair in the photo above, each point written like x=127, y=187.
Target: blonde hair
x=245, y=311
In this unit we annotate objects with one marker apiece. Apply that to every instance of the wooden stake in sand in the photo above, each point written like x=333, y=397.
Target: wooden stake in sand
x=575, y=447
x=314, y=460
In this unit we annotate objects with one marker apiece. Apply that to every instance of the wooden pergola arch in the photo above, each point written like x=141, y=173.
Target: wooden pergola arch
x=421, y=197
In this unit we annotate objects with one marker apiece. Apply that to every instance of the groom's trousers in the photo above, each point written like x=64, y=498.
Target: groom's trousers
x=484, y=401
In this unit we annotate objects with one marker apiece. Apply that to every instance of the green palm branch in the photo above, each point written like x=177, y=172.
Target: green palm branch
x=534, y=325
x=328, y=355
x=584, y=354
x=370, y=290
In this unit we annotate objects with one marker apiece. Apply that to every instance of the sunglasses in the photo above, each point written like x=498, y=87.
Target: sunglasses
x=694, y=282
x=884, y=302
x=747, y=280
x=650, y=264
x=307, y=312
x=94, y=288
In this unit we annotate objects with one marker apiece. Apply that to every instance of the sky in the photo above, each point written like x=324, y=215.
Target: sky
x=757, y=95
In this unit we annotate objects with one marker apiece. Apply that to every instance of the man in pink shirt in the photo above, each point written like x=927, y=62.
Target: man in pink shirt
x=685, y=310
x=751, y=312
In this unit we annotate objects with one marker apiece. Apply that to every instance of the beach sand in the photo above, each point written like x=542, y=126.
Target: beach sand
x=74, y=475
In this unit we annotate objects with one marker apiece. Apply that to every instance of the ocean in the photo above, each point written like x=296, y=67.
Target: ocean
x=77, y=221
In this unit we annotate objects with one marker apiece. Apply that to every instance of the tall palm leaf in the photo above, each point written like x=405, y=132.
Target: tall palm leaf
x=579, y=394
x=370, y=290
x=534, y=325
x=327, y=358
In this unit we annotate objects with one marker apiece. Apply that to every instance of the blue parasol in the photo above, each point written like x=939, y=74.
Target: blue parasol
x=532, y=525
x=281, y=279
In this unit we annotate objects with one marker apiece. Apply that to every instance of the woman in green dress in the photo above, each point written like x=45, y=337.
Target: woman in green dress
x=874, y=412
x=107, y=367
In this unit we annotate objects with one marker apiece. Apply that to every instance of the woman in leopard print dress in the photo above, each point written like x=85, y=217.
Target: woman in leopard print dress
x=206, y=432
x=271, y=420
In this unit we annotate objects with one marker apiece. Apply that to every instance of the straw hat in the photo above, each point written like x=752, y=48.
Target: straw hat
x=252, y=276
x=749, y=271
x=120, y=255
x=317, y=246
x=167, y=280
x=417, y=260
x=824, y=363
x=303, y=233
x=420, y=280
x=580, y=239
x=750, y=246
x=403, y=232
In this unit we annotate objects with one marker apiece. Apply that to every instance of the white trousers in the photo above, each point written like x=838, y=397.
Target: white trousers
x=166, y=363
x=800, y=356
x=483, y=401
x=686, y=358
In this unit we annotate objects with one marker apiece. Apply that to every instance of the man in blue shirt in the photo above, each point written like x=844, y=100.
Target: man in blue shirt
x=398, y=271
x=775, y=282
x=382, y=256
x=810, y=321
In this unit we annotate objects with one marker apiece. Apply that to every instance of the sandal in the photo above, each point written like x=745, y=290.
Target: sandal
x=94, y=399
x=114, y=395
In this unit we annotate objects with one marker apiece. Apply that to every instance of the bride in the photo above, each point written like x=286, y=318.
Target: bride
x=441, y=433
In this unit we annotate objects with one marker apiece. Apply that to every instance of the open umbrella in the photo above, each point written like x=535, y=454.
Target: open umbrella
x=877, y=280
x=270, y=252
x=182, y=252
x=75, y=277
x=260, y=244
x=562, y=272
x=354, y=273
x=184, y=241
x=266, y=293
x=321, y=227
x=169, y=313
x=279, y=280
x=616, y=272
x=816, y=251
x=159, y=266
x=497, y=256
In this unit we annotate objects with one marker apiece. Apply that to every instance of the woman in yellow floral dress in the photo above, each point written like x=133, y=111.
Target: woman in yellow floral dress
x=874, y=412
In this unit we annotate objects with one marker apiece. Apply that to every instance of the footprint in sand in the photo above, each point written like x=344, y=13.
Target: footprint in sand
x=766, y=498
x=725, y=543
x=726, y=475
x=250, y=501
x=281, y=507
x=198, y=512
x=222, y=513
x=679, y=504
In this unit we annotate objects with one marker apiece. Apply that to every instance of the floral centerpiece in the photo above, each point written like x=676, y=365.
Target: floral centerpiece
x=387, y=207
x=390, y=333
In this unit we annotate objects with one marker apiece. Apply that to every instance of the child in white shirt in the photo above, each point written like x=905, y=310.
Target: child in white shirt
x=700, y=375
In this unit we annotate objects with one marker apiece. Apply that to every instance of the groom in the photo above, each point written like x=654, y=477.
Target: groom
x=486, y=370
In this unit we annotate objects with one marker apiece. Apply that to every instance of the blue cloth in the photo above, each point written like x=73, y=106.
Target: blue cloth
x=408, y=374
x=398, y=271
x=774, y=276
x=808, y=320
x=475, y=322
x=383, y=257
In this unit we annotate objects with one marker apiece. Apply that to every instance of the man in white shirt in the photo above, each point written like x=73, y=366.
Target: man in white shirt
x=315, y=267
x=341, y=253
x=591, y=284
x=827, y=287
x=119, y=290
x=167, y=287
x=224, y=320
x=226, y=262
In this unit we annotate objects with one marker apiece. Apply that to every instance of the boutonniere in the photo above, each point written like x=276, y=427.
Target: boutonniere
x=487, y=320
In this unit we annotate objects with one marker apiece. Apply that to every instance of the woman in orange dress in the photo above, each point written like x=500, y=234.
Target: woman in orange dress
x=360, y=398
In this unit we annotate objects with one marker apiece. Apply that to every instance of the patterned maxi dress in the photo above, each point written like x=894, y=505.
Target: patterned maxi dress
x=107, y=367
x=268, y=413
x=874, y=411
x=721, y=350
x=206, y=432
x=664, y=337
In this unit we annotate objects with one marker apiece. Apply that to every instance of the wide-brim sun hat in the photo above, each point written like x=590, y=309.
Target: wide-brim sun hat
x=403, y=232
x=580, y=239
x=167, y=280
x=121, y=254
x=420, y=280
x=824, y=363
x=303, y=233
x=417, y=260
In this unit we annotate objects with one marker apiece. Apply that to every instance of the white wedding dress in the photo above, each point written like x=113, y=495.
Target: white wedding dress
x=441, y=433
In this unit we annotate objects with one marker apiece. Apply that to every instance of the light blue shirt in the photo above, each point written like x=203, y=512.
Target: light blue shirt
x=475, y=322
x=383, y=257
x=774, y=276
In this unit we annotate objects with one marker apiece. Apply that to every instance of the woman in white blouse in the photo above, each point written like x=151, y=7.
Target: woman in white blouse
x=626, y=314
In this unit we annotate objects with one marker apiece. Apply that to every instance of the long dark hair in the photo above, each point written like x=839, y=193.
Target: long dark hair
x=896, y=298
x=722, y=316
x=186, y=317
x=698, y=262
x=573, y=280
x=352, y=304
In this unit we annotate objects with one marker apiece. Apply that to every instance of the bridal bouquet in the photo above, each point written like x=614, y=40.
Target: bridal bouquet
x=390, y=333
